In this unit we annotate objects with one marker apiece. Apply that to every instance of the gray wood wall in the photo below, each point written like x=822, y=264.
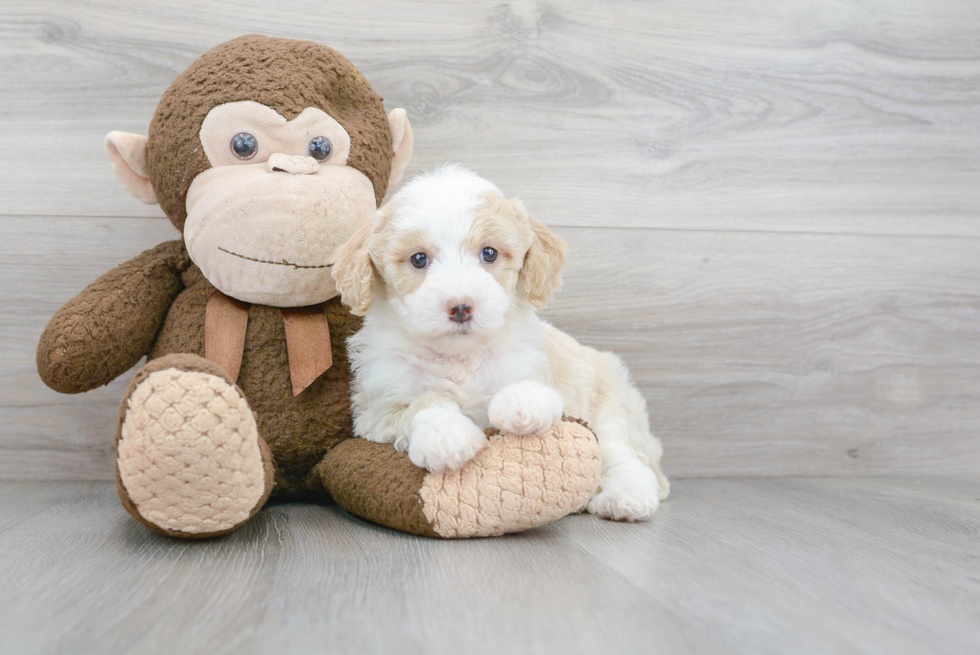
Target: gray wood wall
x=775, y=205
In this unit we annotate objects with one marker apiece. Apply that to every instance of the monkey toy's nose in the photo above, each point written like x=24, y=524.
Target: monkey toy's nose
x=293, y=164
x=460, y=311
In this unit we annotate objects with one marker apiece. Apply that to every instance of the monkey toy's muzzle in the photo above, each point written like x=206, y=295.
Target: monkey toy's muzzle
x=266, y=233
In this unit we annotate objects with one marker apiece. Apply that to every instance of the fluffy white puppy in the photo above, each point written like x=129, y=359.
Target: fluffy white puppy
x=448, y=276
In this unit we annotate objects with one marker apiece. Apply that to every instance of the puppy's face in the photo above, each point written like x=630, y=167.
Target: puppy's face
x=451, y=260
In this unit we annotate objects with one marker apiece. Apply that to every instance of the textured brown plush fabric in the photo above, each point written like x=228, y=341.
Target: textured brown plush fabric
x=378, y=483
x=185, y=363
x=81, y=348
x=284, y=74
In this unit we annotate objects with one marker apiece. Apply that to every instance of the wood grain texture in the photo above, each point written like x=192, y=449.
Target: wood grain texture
x=856, y=116
x=760, y=566
x=774, y=207
x=22, y=501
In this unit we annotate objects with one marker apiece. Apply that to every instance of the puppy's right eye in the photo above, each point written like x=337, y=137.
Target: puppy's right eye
x=488, y=255
x=420, y=260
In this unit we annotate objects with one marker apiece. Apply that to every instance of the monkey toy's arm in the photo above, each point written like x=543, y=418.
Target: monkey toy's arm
x=105, y=330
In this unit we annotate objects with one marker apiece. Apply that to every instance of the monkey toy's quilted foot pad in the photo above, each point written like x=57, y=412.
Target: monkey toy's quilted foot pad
x=189, y=458
x=513, y=484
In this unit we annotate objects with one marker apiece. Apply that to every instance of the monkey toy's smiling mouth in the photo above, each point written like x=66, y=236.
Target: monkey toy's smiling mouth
x=282, y=262
x=269, y=238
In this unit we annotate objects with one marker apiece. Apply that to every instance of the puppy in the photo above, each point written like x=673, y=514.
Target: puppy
x=448, y=277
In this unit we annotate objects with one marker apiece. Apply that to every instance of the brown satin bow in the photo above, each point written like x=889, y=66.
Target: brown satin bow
x=307, y=339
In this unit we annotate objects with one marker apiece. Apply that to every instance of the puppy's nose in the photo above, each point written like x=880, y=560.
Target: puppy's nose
x=460, y=309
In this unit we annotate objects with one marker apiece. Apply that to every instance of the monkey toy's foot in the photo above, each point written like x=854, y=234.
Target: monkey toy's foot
x=189, y=458
x=514, y=483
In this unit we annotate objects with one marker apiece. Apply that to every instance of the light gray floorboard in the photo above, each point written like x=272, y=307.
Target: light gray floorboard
x=24, y=500
x=755, y=566
x=815, y=565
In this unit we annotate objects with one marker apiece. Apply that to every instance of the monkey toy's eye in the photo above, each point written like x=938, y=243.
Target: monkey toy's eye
x=420, y=260
x=488, y=255
x=244, y=145
x=319, y=148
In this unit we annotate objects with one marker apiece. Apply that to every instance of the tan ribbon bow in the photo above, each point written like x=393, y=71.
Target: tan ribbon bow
x=307, y=339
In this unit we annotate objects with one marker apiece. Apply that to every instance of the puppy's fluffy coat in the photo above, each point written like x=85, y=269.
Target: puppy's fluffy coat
x=448, y=277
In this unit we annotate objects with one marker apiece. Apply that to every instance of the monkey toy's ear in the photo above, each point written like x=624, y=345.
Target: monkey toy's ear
x=127, y=155
x=401, y=137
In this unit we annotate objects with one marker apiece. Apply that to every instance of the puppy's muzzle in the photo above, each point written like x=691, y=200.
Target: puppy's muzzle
x=460, y=310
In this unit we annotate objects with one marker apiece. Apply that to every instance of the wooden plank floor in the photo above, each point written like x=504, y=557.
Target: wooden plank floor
x=883, y=565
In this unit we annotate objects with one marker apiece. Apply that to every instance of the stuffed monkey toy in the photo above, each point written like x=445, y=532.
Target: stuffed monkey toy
x=267, y=155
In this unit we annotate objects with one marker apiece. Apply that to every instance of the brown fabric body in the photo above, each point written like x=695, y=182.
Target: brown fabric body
x=299, y=429
x=307, y=338
x=284, y=74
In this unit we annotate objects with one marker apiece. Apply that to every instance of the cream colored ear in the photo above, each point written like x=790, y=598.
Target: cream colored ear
x=353, y=271
x=543, y=263
x=402, y=141
x=127, y=156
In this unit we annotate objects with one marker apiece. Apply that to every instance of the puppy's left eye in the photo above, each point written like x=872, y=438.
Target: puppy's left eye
x=488, y=255
x=420, y=260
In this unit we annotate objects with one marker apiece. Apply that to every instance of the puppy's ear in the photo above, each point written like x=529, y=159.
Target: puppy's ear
x=544, y=261
x=353, y=271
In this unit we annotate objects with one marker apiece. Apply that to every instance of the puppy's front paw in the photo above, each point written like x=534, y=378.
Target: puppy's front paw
x=443, y=439
x=525, y=408
x=632, y=497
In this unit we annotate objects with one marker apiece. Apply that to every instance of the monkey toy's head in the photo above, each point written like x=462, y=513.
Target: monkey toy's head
x=267, y=154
